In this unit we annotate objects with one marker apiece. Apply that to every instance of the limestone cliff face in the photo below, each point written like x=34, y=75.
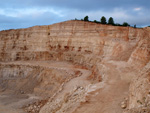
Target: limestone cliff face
x=85, y=43
x=141, y=54
x=140, y=89
x=40, y=80
x=62, y=40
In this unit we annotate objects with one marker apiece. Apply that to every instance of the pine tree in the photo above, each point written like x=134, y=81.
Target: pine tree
x=86, y=18
x=103, y=20
x=125, y=24
x=111, y=21
x=135, y=26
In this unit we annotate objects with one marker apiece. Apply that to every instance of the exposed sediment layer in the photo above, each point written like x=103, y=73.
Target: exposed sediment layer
x=101, y=49
x=29, y=78
x=32, y=79
x=48, y=42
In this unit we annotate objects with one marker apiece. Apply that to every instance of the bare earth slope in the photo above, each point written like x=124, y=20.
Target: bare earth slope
x=75, y=67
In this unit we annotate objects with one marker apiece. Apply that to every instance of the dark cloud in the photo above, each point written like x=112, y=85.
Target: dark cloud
x=76, y=4
x=46, y=18
x=26, y=13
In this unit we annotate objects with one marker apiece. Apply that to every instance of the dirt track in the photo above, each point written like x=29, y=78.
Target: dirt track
x=107, y=98
x=10, y=102
x=102, y=97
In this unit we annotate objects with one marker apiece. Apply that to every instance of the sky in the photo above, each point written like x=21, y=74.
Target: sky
x=16, y=14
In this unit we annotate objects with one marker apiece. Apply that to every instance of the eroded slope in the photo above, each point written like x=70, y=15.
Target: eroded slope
x=105, y=60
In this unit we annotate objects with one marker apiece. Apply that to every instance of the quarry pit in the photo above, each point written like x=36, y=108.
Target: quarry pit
x=75, y=67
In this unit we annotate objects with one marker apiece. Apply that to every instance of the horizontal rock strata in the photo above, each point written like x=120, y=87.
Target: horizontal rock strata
x=87, y=45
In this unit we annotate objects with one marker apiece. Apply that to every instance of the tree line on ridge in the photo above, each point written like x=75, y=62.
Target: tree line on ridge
x=104, y=21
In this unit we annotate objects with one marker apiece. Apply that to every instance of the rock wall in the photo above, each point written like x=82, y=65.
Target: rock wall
x=85, y=43
x=140, y=89
x=141, y=54
x=66, y=39
x=32, y=79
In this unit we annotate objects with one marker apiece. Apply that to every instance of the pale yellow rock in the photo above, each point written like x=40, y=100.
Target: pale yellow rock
x=50, y=61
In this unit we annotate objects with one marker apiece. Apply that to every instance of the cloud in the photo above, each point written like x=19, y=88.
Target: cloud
x=35, y=12
x=12, y=19
x=119, y=15
x=82, y=5
x=96, y=15
x=21, y=14
x=137, y=9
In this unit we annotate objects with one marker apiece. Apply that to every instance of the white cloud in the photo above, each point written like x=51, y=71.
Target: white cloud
x=25, y=17
x=34, y=12
x=137, y=9
x=118, y=14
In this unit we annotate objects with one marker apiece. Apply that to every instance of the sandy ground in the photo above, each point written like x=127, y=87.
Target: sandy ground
x=10, y=103
x=103, y=97
x=108, y=95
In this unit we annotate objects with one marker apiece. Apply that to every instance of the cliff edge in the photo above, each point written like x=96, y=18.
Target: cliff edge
x=75, y=67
